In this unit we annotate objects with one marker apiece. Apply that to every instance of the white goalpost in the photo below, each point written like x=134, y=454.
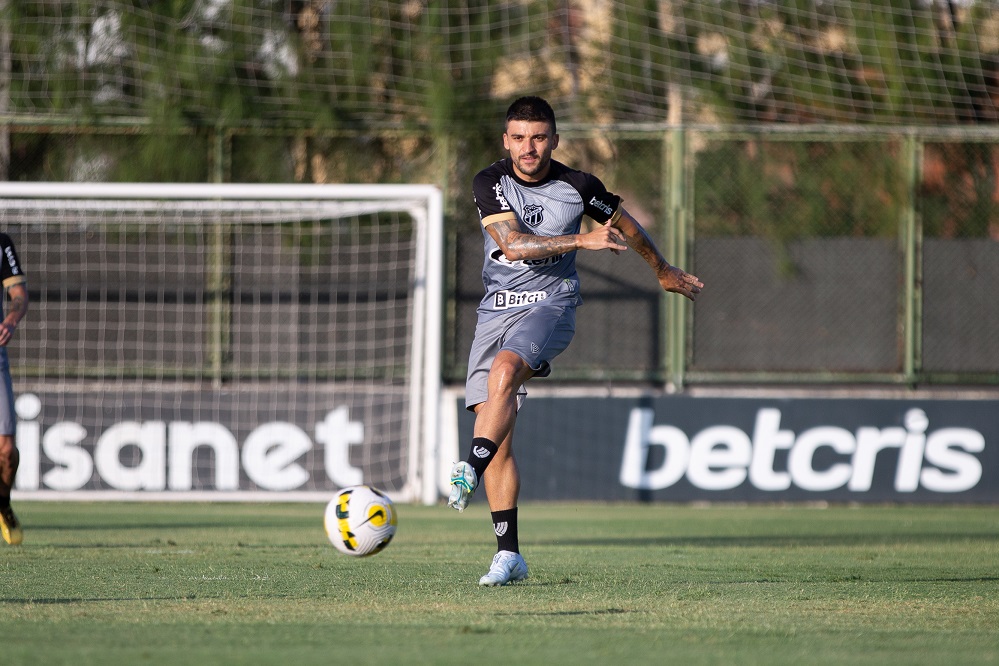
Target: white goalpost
x=197, y=341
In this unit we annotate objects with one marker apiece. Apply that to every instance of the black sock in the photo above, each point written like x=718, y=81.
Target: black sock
x=505, y=527
x=480, y=454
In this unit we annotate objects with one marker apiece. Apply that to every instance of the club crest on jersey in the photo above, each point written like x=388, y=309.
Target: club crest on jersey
x=534, y=214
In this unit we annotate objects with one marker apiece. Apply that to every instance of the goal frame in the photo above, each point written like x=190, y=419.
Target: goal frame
x=424, y=203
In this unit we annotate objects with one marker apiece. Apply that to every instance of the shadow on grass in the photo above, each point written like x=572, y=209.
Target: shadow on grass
x=778, y=540
x=175, y=525
x=66, y=601
x=567, y=613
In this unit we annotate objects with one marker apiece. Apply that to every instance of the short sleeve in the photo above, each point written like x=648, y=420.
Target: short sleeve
x=11, y=272
x=487, y=188
x=598, y=203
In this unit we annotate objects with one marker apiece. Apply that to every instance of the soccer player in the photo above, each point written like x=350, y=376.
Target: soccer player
x=14, y=283
x=531, y=208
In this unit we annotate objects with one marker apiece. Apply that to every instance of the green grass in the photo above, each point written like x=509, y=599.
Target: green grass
x=126, y=583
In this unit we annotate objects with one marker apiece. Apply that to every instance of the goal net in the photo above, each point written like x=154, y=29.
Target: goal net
x=226, y=341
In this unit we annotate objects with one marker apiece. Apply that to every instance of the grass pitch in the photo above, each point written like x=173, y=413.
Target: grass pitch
x=133, y=583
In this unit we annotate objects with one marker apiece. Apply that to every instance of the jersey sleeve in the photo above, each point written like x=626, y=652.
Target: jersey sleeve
x=598, y=203
x=487, y=189
x=10, y=266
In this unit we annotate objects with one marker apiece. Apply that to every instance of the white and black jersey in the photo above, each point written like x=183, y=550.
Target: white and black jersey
x=552, y=207
x=10, y=267
x=11, y=273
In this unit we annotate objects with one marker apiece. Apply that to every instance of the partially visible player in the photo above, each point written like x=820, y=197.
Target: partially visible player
x=15, y=285
x=531, y=208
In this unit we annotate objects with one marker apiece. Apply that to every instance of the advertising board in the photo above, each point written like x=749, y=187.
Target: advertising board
x=682, y=448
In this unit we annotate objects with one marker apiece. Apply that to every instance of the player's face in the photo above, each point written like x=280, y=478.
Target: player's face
x=530, y=144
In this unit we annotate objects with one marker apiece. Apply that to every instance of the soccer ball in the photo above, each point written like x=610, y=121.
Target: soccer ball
x=360, y=521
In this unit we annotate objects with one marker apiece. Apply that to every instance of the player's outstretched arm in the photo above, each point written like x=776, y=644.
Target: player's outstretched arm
x=670, y=277
x=518, y=244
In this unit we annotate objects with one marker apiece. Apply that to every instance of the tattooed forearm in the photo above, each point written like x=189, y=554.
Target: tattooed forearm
x=18, y=304
x=518, y=245
x=640, y=241
x=529, y=246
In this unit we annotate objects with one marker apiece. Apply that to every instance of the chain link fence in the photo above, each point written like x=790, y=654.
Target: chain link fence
x=829, y=254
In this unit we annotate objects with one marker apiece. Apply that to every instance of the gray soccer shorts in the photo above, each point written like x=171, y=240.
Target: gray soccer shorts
x=537, y=335
x=8, y=421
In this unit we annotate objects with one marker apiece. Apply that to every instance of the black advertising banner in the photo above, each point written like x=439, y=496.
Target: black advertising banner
x=300, y=440
x=653, y=448
x=681, y=448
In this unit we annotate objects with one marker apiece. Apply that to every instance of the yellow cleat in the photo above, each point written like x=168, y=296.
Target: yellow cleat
x=10, y=527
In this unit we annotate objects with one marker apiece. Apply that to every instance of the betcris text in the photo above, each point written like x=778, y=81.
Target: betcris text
x=818, y=458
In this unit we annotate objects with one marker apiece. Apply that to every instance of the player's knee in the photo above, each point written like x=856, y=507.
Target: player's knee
x=506, y=374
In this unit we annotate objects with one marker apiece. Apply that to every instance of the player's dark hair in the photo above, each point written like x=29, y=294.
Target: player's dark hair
x=532, y=109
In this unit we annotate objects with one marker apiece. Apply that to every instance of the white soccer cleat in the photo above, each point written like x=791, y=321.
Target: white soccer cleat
x=463, y=483
x=507, y=567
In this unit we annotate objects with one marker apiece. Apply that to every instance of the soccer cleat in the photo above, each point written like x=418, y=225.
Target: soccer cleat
x=9, y=527
x=507, y=567
x=463, y=483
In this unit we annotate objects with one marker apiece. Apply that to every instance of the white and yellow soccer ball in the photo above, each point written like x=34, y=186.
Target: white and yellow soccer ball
x=360, y=521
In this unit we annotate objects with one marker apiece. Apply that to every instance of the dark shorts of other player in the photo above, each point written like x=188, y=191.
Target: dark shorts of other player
x=8, y=420
x=536, y=334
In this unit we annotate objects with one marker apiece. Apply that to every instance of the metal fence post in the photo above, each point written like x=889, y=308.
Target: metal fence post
x=910, y=232
x=675, y=238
